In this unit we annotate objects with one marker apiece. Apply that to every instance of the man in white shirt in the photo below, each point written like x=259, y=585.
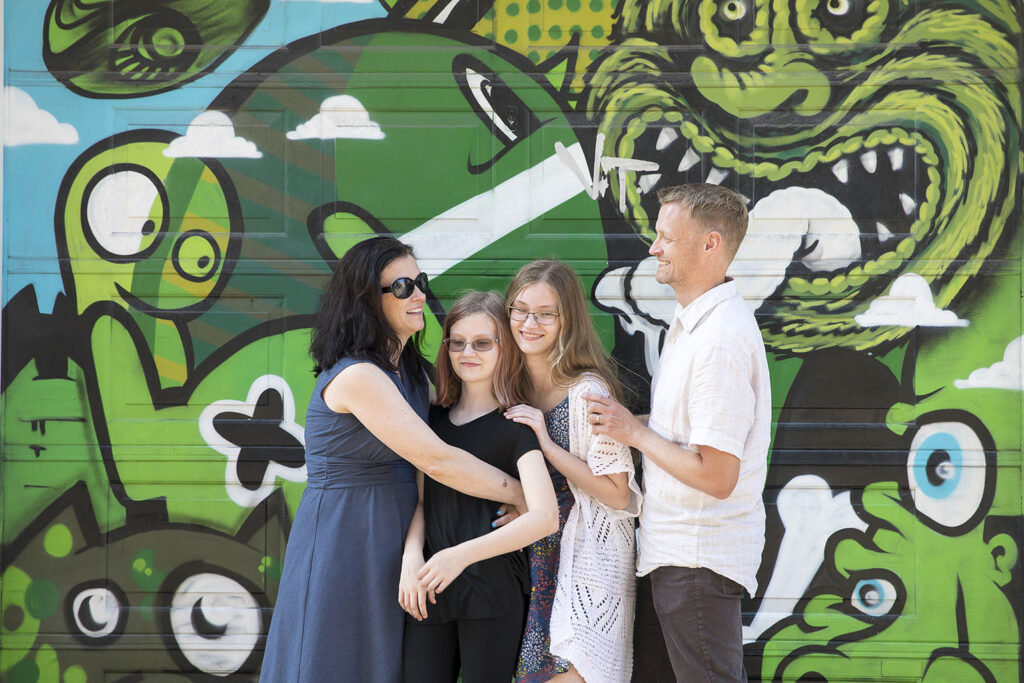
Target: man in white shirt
x=705, y=445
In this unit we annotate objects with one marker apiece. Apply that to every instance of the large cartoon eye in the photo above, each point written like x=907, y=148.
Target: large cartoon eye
x=501, y=110
x=841, y=17
x=156, y=46
x=96, y=612
x=946, y=468
x=734, y=18
x=196, y=256
x=124, y=212
x=216, y=622
x=874, y=597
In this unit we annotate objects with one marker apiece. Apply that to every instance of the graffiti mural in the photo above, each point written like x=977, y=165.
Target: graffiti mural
x=181, y=176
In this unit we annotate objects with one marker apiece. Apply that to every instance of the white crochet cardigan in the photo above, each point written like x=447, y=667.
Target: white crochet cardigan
x=592, y=615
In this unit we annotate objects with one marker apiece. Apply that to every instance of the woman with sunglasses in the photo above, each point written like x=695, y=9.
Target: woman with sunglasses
x=475, y=579
x=336, y=616
x=580, y=619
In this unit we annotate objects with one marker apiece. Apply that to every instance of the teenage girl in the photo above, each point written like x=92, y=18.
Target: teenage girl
x=475, y=579
x=580, y=619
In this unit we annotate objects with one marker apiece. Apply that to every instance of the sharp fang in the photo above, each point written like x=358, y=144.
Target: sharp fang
x=840, y=171
x=646, y=182
x=896, y=158
x=666, y=138
x=745, y=198
x=883, y=232
x=689, y=160
x=908, y=203
x=716, y=176
x=869, y=160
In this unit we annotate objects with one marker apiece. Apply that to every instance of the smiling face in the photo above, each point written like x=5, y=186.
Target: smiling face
x=472, y=366
x=532, y=337
x=404, y=316
x=678, y=247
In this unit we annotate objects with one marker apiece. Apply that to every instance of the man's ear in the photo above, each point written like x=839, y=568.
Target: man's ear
x=712, y=241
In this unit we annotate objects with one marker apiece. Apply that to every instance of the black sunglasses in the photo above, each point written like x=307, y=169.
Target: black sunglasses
x=402, y=288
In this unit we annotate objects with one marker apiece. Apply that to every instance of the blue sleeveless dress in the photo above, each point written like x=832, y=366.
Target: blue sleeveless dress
x=337, y=616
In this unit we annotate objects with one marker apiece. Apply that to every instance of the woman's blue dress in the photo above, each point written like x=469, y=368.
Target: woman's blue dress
x=337, y=616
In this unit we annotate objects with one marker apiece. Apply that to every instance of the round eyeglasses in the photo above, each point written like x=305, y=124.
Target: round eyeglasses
x=403, y=287
x=521, y=315
x=479, y=345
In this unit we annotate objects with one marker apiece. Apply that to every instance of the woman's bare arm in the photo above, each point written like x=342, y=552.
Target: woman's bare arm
x=365, y=391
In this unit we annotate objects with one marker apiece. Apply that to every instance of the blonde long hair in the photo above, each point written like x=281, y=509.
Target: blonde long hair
x=510, y=380
x=578, y=349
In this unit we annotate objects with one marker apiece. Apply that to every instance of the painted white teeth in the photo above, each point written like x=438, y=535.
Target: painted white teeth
x=896, y=158
x=666, y=138
x=716, y=176
x=869, y=160
x=648, y=181
x=908, y=203
x=884, y=233
x=841, y=171
x=689, y=160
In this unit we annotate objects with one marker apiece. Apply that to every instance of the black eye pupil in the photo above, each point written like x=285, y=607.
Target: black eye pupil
x=148, y=227
x=937, y=467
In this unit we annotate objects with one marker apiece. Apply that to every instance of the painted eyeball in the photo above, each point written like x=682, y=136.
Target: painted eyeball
x=874, y=597
x=734, y=19
x=125, y=212
x=196, y=255
x=843, y=17
x=96, y=612
x=947, y=469
x=733, y=10
x=216, y=622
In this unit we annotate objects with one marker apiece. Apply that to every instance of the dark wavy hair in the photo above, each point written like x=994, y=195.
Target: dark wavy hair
x=351, y=321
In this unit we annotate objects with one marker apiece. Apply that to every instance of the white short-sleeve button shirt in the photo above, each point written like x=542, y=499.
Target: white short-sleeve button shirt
x=711, y=388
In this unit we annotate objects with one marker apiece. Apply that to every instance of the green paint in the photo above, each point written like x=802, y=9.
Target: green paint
x=75, y=674
x=42, y=598
x=58, y=540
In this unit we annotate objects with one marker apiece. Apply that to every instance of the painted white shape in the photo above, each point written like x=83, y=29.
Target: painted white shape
x=340, y=117
x=458, y=233
x=896, y=158
x=908, y=203
x=781, y=224
x=104, y=611
x=869, y=160
x=225, y=604
x=623, y=165
x=841, y=170
x=666, y=137
x=117, y=208
x=884, y=234
x=810, y=514
x=688, y=161
x=1004, y=374
x=909, y=303
x=649, y=181
x=236, y=491
x=442, y=16
x=650, y=309
x=716, y=176
x=212, y=134
x=26, y=124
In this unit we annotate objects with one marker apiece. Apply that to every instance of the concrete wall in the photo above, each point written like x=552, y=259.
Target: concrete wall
x=179, y=176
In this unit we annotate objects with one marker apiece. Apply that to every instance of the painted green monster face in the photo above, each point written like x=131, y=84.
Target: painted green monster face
x=860, y=132
x=199, y=599
x=115, y=48
x=161, y=227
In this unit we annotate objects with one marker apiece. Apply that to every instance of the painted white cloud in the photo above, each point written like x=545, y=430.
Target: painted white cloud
x=909, y=303
x=341, y=116
x=212, y=135
x=1005, y=374
x=27, y=124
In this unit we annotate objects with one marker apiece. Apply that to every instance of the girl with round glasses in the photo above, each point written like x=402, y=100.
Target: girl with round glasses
x=365, y=437
x=580, y=620
x=466, y=602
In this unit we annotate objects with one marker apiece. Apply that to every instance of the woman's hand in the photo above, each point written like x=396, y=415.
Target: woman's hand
x=442, y=569
x=412, y=596
x=506, y=513
x=532, y=418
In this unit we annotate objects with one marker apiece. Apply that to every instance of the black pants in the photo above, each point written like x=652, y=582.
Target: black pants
x=485, y=649
x=701, y=627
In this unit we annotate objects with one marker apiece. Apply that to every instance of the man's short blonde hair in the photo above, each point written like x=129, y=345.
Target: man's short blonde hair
x=713, y=206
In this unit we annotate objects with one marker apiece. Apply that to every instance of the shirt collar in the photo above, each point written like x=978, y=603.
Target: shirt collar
x=687, y=317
